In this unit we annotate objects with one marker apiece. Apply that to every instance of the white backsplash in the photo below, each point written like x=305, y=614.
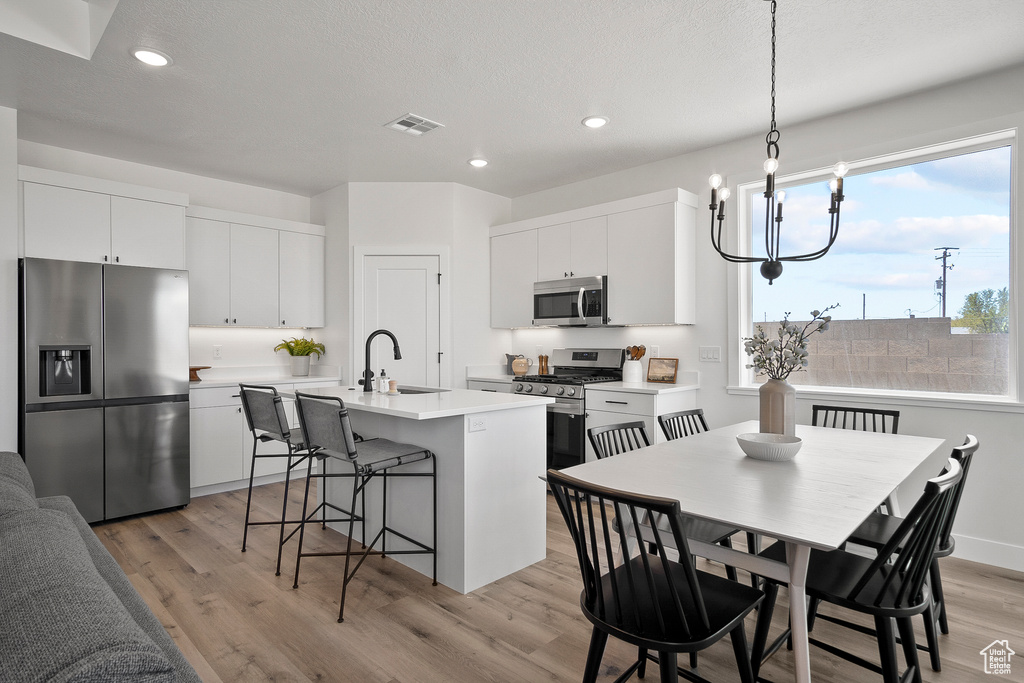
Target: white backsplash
x=673, y=341
x=247, y=346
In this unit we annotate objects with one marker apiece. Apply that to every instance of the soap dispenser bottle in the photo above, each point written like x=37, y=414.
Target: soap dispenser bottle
x=382, y=382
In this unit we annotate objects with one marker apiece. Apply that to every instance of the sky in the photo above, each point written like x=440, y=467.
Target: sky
x=883, y=263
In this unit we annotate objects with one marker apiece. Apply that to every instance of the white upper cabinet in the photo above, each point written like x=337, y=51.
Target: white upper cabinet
x=207, y=254
x=554, y=242
x=75, y=218
x=574, y=249
x=645, y=245
x=513, y=272
x=254, y=276
x=269, y=274
x=147, y=233
x=66, y=224
x=651, y=266
x=302, y=279
x=589, y=252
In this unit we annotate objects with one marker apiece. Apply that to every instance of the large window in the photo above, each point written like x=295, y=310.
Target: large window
x=921, y=273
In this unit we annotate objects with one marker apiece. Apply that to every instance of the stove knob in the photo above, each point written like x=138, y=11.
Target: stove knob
x=571, y=392
x=519, y=387
x=529, y=388
x=561, y=390
x=543, y=390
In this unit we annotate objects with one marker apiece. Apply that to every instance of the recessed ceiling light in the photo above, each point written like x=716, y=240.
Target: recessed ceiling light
x=595, y=121
x=478, y=163
x=150, y=56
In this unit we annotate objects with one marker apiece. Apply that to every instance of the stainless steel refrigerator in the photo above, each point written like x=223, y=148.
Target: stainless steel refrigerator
x=104, y=385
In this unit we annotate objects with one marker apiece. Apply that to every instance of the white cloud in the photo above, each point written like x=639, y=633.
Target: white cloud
x=904, y=235
x=909, y=180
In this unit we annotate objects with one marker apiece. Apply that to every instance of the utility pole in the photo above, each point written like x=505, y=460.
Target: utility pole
x=942, y=280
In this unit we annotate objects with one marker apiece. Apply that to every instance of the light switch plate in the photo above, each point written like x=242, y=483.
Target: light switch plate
x=711, y=354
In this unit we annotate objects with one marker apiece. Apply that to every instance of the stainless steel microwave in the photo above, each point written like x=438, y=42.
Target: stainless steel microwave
x=571, y=302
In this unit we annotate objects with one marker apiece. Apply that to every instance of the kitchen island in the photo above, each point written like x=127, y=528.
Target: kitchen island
x=490, y=453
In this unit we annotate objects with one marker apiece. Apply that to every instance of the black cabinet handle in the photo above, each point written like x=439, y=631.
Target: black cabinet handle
x=620, y=403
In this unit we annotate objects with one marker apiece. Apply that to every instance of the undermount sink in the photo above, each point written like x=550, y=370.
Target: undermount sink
x=421, y=390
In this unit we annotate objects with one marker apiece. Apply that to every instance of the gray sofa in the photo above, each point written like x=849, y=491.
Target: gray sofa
x=67, y=611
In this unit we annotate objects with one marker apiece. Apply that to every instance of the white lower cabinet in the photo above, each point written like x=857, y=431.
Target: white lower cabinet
x=220, y=440
x=606, y=407
x=215, y=443
x=503, y=386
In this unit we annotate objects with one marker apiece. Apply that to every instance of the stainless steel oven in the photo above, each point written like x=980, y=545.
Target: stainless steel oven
x=572, y=370
x=571, y=302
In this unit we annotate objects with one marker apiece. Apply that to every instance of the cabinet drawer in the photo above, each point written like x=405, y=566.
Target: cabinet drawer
x=214, y=396
x=621, y=402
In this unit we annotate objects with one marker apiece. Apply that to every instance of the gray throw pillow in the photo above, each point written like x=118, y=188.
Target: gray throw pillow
x=60, y=620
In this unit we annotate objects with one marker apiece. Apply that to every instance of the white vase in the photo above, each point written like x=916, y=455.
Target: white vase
x=300, y=366
x=778, y=407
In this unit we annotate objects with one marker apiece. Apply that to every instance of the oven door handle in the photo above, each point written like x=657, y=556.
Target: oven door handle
x=565, y=408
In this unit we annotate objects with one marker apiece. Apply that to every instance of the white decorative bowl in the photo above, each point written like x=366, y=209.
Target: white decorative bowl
x=776, y=447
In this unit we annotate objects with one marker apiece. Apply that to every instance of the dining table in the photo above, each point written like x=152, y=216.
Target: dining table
x=812, y=502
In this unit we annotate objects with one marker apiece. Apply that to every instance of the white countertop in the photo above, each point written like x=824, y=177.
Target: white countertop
x=447, y=403
x=211, y=378
x=686, y=381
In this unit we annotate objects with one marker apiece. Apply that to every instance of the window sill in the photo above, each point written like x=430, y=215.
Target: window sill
x=995, y=404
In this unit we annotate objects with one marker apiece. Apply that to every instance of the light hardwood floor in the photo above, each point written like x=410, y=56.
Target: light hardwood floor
x=236, y=621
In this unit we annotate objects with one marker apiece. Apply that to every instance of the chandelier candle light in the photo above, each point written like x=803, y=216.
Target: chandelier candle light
x=771, y=265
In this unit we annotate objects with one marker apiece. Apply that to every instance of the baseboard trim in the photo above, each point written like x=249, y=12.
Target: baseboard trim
x=989, y=552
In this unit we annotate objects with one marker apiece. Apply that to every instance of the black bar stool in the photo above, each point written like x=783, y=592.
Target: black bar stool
x=267, y=420
x=325, y=422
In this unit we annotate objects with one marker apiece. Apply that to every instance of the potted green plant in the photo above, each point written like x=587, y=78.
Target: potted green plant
x=300, y=350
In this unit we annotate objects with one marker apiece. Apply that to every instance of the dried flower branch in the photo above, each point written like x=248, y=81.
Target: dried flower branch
x=779, y=356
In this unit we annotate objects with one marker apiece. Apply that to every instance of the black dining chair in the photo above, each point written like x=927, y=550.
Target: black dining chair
x=878, y=528
x=325, y=422
x=619, y=438
x=687, y=423
x=268, y=422
x=683, y=423
x=891, y=586
x=647, y=600
x=863, y=419
x=615, y=439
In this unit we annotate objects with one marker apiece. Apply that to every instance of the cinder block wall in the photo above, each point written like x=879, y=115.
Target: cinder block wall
x=905, y=353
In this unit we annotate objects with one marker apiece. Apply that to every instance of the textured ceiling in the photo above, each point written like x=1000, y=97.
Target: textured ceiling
x=294, y=95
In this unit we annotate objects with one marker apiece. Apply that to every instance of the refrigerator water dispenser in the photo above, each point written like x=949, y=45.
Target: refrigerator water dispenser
x=64, y=370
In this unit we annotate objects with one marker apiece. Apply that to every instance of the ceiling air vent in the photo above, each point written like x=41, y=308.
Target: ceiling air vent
x=413, y=125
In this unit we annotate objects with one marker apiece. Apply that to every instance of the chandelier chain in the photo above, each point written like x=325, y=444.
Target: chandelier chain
x=773, y=65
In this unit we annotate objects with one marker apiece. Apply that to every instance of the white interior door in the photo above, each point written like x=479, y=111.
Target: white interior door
x=402, y=294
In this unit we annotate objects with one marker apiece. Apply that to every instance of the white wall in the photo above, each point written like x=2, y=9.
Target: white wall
x=473, y=340
x=9, y=238
x=202, y=191
x=331, y=210
x=443, y=215
x=986, y=525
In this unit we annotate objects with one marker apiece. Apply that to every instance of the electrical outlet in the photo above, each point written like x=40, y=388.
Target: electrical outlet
x=655, y=352
x=711, y=354
x=477, y=423
x=217, y=351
